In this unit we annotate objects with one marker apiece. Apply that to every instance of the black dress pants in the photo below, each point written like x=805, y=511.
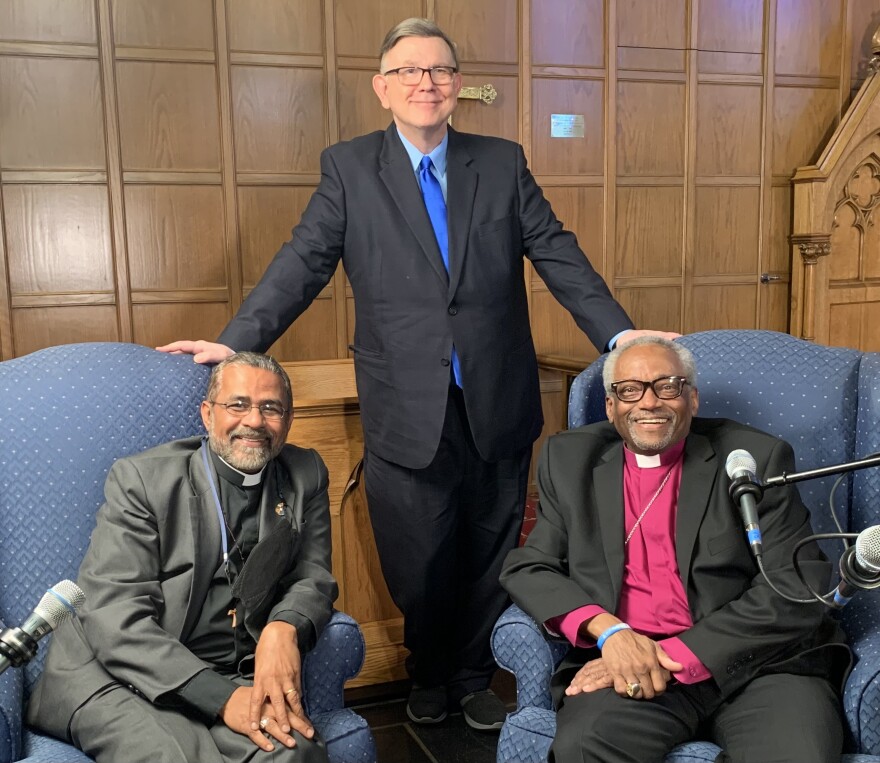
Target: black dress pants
x=780, y=718
x=442, y=533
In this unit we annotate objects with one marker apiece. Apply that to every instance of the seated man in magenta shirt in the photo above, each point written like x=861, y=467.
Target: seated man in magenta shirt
x=639, y=560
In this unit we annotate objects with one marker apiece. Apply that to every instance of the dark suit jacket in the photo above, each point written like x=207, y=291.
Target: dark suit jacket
x=149, y=565
x=368, y=210
x=575, y=554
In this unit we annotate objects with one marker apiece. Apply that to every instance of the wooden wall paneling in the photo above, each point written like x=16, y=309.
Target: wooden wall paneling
x=7, y=347
x=568, y=155
x=276, y=26
x=728, y=130
x=727, y=230
x=267, y=214
x=692, y=137
x=803, y=120
x=808, y=37
x=361, y=26
x=720, y=306
x=34, y=328
x=649, y=230
x=653, y=40
x=70, y=21
x=655, y=306
x=568, y=34
x=169, y=116
x=58, y=239
x=730, y=27
x=157, y=319
x=650, y=115
x=846, y=246
x=276, y=118
x=554, y=330
x=360, y=111
x=164, y=24
x=863, y=19
x=176, y=237
x=501, y=118
x=50, y=109
x=228, y=175
x=485, y=31
x=778, y=259
x=854, y=320
x=775, y=204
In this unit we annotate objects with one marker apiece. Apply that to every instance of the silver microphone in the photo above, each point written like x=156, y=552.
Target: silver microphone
x=745, y=491
x=60, y=602
x=859, y=567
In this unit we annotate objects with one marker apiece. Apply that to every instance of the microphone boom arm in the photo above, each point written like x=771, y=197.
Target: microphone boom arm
x=823, y=471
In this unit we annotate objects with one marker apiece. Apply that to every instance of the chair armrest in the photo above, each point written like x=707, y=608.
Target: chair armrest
x=10, y=715
x=337, y=657
x=861, y=696
x=520, y=648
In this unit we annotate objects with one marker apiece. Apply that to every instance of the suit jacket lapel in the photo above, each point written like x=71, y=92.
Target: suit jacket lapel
x=397, y=174
x=205, y=537
x=608, y=487
x=461, y=191
x=699, y=471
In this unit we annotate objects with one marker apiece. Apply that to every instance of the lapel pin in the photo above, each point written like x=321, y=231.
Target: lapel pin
x=279, y=509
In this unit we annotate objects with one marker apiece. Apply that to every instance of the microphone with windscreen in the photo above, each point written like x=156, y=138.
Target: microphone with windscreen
x=19, y=645
x=859, y=566
x=745, y=491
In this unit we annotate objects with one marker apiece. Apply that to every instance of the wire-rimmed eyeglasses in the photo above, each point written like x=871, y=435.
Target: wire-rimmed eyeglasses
x=241, y=408
x=664, y=388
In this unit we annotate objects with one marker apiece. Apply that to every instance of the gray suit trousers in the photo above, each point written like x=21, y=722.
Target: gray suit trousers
x=117, y=726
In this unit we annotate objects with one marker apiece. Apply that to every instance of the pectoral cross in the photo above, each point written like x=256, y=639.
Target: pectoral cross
x=232, y=614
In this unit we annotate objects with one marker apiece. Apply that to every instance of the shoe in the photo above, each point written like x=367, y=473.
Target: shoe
x=483, y=711
x=426, y=705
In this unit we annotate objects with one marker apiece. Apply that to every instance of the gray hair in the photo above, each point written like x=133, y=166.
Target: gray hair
x=685, y=357
x=415, y=27
x=251, y=360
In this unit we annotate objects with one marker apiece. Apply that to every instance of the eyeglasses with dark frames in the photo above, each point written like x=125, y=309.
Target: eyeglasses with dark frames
x=241, y=408
x=412, y=75
x=664, y=388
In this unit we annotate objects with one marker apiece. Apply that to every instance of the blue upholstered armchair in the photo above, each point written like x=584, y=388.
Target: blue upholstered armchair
x=826, y=403
x=67, y=414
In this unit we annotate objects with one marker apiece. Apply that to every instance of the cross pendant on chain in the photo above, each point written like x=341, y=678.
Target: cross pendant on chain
x=232, y=614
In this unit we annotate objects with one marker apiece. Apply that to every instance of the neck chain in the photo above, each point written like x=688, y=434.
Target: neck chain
x=650, y=504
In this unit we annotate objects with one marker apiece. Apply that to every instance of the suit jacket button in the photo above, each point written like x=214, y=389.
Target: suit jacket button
x=444, y=362
x=453, y=310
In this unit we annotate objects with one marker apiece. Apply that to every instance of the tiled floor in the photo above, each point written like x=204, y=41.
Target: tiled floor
x=399, y=740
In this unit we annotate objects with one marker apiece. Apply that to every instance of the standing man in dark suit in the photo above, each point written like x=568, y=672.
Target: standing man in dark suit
x=206, y=579
x=431, y=226
x=639, y=559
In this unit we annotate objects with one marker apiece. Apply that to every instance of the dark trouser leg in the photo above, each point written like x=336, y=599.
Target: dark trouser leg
x=780, y=719
x=442, y=533
x=603, y=727
x=117, y=725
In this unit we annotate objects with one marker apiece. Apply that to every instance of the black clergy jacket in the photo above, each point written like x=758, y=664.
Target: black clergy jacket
x=574, y=555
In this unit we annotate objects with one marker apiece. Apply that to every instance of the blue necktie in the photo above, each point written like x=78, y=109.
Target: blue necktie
x=432, y=193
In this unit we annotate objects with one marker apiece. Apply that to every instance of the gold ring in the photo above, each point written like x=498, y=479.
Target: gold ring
x=633, y=690
x=264, y=721
x=290, y=691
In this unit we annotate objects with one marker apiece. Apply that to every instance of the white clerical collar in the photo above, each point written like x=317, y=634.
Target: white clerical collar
x=647, y=462
x=247, y=480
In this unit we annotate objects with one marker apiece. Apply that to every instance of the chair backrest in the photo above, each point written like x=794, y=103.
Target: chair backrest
x=825, y=401
x=68, y=413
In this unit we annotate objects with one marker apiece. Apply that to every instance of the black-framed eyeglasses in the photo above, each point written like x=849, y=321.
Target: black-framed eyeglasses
x=633, y=390
x=412, y=75
x=241, y=408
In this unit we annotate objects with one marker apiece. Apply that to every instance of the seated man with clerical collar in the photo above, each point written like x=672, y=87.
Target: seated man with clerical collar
x=639, y=560
x=206, y=579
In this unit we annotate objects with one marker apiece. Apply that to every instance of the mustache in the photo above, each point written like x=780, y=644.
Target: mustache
x=249, y=432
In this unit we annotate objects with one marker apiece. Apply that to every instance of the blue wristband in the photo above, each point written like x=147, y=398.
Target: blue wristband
x=600, y=642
